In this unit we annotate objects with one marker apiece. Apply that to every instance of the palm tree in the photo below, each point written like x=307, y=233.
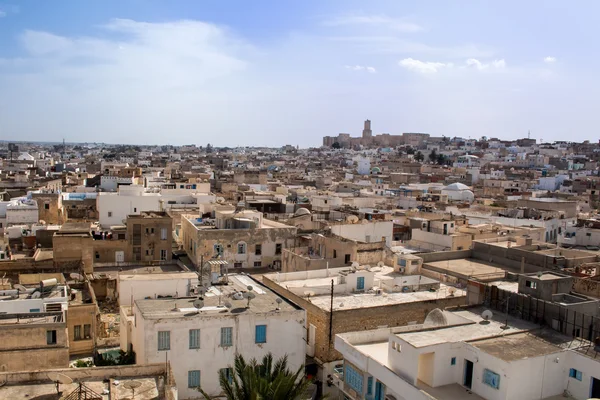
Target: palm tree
x=265, y=381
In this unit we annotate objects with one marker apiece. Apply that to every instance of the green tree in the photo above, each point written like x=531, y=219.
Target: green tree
x=419, y=156
x=336, y=145
x=433, y=156
x=267, y=380
x=441, y=159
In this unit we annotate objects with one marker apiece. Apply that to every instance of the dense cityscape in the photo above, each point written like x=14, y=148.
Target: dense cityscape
x=380, y=266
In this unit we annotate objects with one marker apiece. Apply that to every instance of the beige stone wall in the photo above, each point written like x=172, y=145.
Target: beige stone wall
x=151, y=241
x=104, y=250
x=24, y=348
x=50, y=200
x=81, y=315
x=200, y=244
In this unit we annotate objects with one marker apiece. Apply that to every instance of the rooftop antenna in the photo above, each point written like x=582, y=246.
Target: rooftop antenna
x=132, y=385
x=529, y=134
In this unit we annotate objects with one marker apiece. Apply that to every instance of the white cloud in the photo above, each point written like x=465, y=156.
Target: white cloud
x=361, y=68
x=424, y=67
x=397, y=24
x=430, y=67
x=549, y=60
x=475, y=63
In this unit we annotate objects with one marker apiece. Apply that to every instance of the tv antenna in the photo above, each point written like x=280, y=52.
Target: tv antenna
x=58, y=379
x=132, y=385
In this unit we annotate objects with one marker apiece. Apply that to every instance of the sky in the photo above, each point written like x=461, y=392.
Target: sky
x=270, y=73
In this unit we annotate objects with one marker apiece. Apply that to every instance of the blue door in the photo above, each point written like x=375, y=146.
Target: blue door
x=379, y=391
x=360, y=283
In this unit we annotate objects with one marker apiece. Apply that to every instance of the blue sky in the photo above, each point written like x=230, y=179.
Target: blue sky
x=289, y=72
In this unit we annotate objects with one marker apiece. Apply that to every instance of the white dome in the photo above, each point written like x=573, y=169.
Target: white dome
x=301, y=211
x=456, y=186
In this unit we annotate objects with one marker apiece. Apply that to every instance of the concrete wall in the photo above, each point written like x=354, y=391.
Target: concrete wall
x=153, y=285
x=374, y=231
x=124, y=371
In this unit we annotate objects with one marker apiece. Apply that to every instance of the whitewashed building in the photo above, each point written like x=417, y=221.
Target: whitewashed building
x=461, y=354
x=201, y=342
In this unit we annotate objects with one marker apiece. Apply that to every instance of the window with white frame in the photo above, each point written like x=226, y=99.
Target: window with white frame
x=241, y=248
x=163, y=233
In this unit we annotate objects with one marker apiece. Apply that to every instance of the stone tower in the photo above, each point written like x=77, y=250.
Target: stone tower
x=367, y=132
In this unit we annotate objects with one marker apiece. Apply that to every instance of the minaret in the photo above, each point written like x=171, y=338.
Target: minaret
x=367, y=132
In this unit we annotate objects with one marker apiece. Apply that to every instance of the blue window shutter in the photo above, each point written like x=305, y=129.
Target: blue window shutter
x=164, y=340
x=193, y=379
x=261, y=334
x=370, y=385
x=194, y=338
x=226, y=336
x=360, y=283
x=354, y=379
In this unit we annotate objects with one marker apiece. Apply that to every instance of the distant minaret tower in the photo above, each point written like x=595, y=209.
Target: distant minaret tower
x=367, y=132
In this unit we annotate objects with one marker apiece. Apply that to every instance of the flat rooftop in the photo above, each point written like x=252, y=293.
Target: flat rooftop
x=157, y=276
x=366, y=300
x=470, y=332
x=467, y=267
x=516, y=347
x=265, y=300
x=384, y=277
x=149, y=390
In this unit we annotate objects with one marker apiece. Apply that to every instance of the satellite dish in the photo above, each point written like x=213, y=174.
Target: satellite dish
x=227, y=304
x=355, y=264
x=249, y=296
x=381, y=264
x=278, y=301
x=77, y=277
x=487, y=315
x=20, y=288
x=36, y=295
x=341, y=305
x=132, y=385
x=249, y=287
x=539, y=274
x=198, y=304
x=452, y=290
x=58, y=379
